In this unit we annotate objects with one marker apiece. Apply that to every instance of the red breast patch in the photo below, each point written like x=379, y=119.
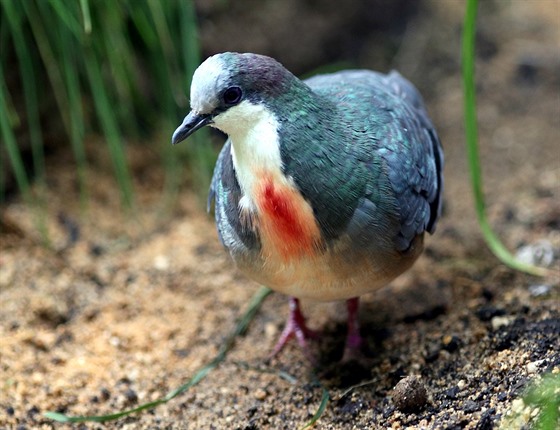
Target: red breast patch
x=286, y=223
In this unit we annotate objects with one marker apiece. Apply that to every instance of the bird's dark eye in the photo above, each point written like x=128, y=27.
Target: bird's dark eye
x=232, y=96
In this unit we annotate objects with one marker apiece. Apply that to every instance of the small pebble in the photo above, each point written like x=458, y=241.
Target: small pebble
x=105, y=394
x=540, y=253
x=470, y=406
x=451, y=393
x=487, y=312
x=410, y=395
x=96, y=250
x=260, y=394
x=533, y=367
x=527, y=70
x=539, y=290
x=161, y=262
x=31, y=412
x=451, y=343
x=498, y=322
x=130, y=396
x=517, y=406
x=432, y=353
x=270, y=330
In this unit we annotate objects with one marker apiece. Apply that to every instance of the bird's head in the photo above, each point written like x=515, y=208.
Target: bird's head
x=226, y=89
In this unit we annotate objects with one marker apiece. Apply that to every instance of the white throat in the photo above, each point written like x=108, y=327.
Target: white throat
x=253, y=130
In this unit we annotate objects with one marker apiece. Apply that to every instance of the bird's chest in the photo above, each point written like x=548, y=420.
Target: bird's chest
x=283, y=220
x=270, y=204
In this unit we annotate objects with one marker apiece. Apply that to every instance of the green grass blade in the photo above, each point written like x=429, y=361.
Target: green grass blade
x=16, y=162
x=199, y=152
x=144, y=101
x=163, y=70
x=189, y=39
x=5, y=34
x=10, y=141
x=26, y=67
x=69, y=53
x=471, y=131
x=154, y=27
x=9, y=117
x=241, y=327
x=86, y=16
x=322, y=406
x=67, y=19
x=165, y=42
x=144, y=25
x=113, y=45
x=37, y=19
x=109, y=126
x=278, y=372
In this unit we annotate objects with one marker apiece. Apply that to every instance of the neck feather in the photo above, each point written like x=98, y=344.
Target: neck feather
x=253, y=130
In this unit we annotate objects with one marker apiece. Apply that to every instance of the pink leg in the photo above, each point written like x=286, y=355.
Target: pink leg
x=295, y=326
x=354, y=340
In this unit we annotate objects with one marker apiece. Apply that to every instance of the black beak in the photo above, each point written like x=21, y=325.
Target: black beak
x=192, y=122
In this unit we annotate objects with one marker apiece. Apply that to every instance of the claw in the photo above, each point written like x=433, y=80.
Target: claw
x=295, y=326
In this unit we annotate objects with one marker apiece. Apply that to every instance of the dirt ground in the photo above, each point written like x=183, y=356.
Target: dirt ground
x=125, y=307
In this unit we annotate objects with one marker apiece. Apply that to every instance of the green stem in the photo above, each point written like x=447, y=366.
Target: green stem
x=492, y=240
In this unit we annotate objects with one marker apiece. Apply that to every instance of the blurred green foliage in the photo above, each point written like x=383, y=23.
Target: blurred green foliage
x=546, y=396
x=538, y=408
x=118, y=68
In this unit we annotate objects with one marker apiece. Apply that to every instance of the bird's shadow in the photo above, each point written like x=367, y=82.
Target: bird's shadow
x=336, y=371
x=407, y=303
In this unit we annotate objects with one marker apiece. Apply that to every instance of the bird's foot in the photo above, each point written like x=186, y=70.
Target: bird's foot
x=354, y=340
x=353, y=349
x=295, y=326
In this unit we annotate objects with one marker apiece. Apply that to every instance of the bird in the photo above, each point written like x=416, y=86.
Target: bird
x=325, y=187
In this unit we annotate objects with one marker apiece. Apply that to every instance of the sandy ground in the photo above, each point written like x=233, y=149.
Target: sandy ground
x=125, y=307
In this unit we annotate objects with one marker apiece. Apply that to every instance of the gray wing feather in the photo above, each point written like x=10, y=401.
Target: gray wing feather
x=415, y=162
x=217, y=176
x=407, y=143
